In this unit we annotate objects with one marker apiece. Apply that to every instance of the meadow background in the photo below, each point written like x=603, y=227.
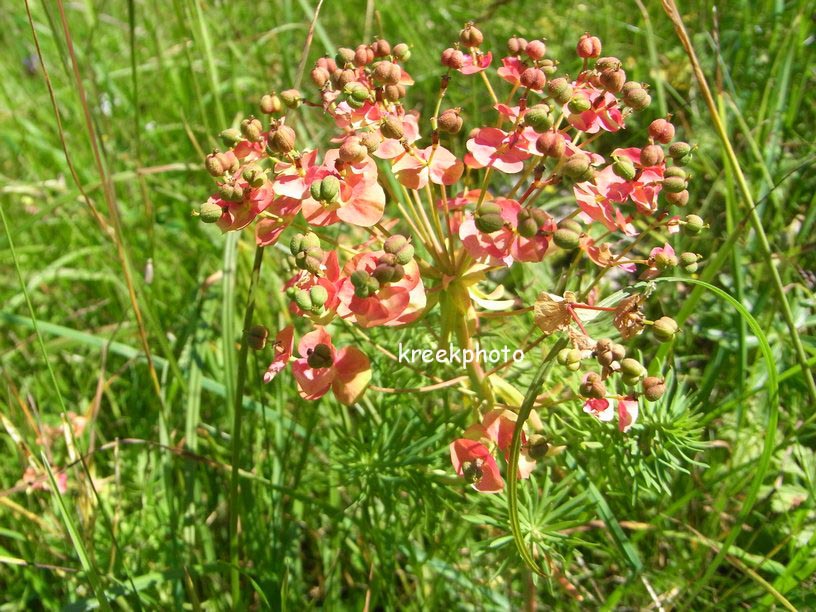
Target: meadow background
x=353, y=508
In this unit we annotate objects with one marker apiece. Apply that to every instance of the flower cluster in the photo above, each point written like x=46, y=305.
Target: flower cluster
x=419, y=226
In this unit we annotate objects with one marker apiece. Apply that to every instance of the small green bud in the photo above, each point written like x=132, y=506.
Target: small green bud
x=679, y=150
x=210, y=212
x=689, y=262
x=572, y=225
x=270, y=103
x=560, y=90
x=624, y=168
x=632, y=367
x=693, y=225
x=630, y=381
x=576, y=166
x=674, y=184
x=318, y=295
x=303, y=300
x=291, y=98
x=393, y=244
x=231, y=137
x=665, y=329
x=579, y=104
x=664, y=261
x=636, y=98
x=675, y=171
x=383, y=273
x=539, y=118
x=563, y=356
x=488, y=218
x=566, y=239
x=401, y=52
x=255, y=176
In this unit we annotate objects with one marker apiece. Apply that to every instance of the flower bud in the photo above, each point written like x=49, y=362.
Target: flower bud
x=401, y=52
x=661, y=130
x=256, y=337
x=344, y=57
x=680, y=198
x=674, y=184
x=303, y=300
x=342, y=78
x=357, y=92
x=370, y=140
x=319, y=76
x=664, y=261
x=574, y=360
x=383, y=273
x=393, y=93
x=387, y=73
x=560, y=90
x=618, y=351
x=214, y=163
x=551, y=144
x=566, y=239
x=352, y=151
x=320, y=357
x=689, y=261
x=535, y=49
x=576, y=166
x=230, y=192
x=563, y=356
x=231, y=137
x=578, y=105
x=693, y=225
x=537, y=446
x=270, y=103
x=530, y=220
x=653, y=388
x=453, y=58
x=651, y=155
x=533, y=78
x=538, y=117
x=588, y=46
x=637, y=98
x=516, y=45
x=624, y=168
x=281, y=139
x=210, y=212
x=254, y=176
x=251, y=129
x=359, y=278
x=665, y=329
x=612, y=80
x=450, y=121
x=632, y=367
x=592, y=386
x=679, y=150
x=363, y=55
x=291, y=98
x=318, y=296
x=488, y=219
x=391, y=127
x=470, y=36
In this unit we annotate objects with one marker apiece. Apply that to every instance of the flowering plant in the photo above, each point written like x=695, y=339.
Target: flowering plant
x=423, y=226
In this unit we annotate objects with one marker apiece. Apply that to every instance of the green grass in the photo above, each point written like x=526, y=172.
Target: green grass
x=710, y=504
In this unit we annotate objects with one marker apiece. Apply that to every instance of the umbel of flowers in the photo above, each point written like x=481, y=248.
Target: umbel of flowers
x=421, y=227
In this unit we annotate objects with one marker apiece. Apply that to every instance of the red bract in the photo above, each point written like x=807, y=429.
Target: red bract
x=436, y=164
x=511, y=70
x=347, y=376
x=283, y=351
x=626, y=410
x=495, y=148
x=494, y=248
x=361, y=200
x=473, y=64
x=472, y=460
x=395, y=304
x=603, y=114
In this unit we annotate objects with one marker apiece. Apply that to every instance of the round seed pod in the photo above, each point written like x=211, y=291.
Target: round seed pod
x=651, y=155
x=210, y=212
x=560, y=90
